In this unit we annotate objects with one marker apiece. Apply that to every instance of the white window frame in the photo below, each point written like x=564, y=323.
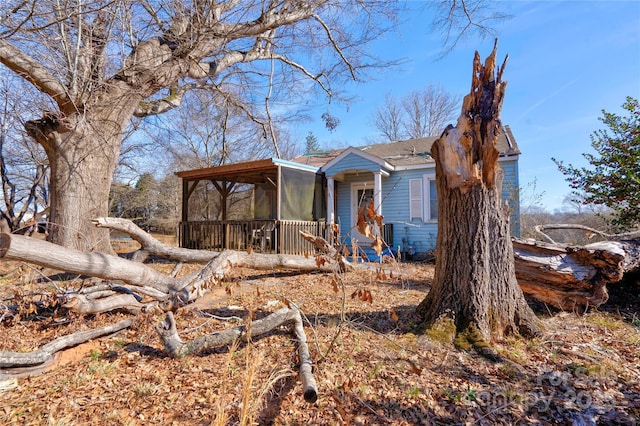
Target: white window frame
x=420, y=198
x=416, y=199
x=427, y=179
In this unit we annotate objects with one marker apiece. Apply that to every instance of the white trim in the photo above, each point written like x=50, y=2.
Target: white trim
x=426, y=185
x=416, y=199
x=377, y=192
x=330, y=200
x=430, y=165
x=293, y=165
x=279, y=194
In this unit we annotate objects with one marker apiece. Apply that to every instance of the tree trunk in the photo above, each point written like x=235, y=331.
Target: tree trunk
x=82, y=149
x=475, y=283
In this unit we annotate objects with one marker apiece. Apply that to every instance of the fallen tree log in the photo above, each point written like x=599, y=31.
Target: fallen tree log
x=43, y=354
x=573, y=278
x=555, y=226
x=43, y=253
x=175, y=347
x=139, y=278
x=151, y=246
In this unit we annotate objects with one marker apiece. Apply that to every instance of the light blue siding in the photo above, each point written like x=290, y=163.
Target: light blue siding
x=395, y=209
x=352, y=162
x=421, y=236
x=511, y=193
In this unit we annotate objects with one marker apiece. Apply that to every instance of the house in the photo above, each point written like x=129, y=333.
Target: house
x=319, y=189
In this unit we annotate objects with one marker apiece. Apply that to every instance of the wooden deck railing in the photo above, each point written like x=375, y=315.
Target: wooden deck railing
x=266, y=236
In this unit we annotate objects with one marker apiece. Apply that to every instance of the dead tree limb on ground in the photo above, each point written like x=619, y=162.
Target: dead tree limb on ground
x=135, y=279
x=573, y=278
x=42, y=355
x=151, y=246
x=140, y=279
x=175, y=347
x=610, y=237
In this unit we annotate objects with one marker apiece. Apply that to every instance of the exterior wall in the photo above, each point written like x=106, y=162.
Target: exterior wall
x=395, y=209
x=407, y=232
x=352, y=162
x=511, y=193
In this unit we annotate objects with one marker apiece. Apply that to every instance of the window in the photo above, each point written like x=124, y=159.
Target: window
x=432, y=198
x=415, y=199
x=423, y=199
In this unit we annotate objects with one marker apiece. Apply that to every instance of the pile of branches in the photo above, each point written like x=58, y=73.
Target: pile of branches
x=131, y=285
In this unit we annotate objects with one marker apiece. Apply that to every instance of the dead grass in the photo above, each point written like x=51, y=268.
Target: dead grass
x=377, y=368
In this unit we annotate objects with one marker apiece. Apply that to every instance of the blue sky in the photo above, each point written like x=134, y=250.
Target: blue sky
x=568, y=60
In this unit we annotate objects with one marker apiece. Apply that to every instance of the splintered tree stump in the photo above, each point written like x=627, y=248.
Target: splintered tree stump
x=475, y=283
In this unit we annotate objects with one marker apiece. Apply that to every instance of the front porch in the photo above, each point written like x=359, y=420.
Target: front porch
x=263, y=236
x=281, y=198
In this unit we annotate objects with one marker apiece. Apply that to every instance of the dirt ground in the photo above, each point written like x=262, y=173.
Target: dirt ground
x=373, y=363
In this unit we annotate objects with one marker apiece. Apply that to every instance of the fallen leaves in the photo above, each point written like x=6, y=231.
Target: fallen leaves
x=381, y=370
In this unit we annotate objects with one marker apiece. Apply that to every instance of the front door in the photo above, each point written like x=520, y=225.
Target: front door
x=361, y=197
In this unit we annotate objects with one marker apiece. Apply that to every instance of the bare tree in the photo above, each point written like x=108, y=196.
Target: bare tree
x=103, y=63
x=387, y=119
x=428, y=111
x=421, y=113
x=23, y=165
x=209, y=131
x=456, y=20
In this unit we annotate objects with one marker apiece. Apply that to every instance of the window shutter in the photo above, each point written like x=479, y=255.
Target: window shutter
x=415, y=199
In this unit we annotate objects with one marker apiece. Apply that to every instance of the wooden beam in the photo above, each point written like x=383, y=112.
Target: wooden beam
x=227, y=169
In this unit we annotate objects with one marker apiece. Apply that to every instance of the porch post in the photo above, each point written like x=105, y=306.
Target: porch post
x=330, y=200
x=377, y=192
x=183, y=228
x=279, y=195
x=185, y=200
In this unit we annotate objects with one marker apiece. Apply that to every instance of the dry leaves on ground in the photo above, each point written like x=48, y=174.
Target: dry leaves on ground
x=373, y=364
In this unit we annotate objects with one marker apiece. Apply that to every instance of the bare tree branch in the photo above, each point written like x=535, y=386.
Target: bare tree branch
x=176, y=347
x=16, y=359
x=336, y=46
x=612, y=237
x=173, y=100
x=272, y=133
x=31, y=70
x=459, y=19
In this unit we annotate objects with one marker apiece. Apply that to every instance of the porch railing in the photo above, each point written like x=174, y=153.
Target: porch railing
x=266, y=236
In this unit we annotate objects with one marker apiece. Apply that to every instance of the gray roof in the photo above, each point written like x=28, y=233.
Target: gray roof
x=407, y=153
